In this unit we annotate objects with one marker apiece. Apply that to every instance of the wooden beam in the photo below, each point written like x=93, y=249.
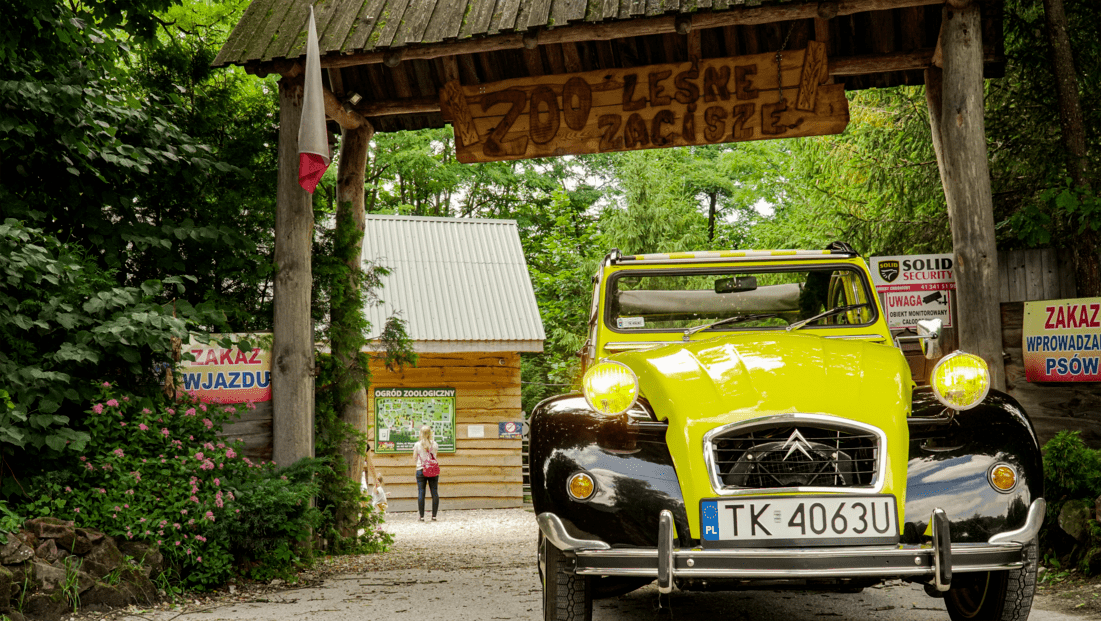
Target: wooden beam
x=966, y=179
x=604, y=31
x=863, y=65
x=335, y=111
x=398, y=107
x=292, y=388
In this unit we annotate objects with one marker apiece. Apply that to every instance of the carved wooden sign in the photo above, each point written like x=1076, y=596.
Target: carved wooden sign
x=702, y=102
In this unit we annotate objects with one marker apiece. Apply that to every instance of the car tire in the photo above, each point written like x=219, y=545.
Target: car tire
x=566, y=596
x=994, y=595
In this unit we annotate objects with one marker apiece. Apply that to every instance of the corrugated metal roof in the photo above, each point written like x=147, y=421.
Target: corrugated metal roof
x=453, y=279
x=273, y=29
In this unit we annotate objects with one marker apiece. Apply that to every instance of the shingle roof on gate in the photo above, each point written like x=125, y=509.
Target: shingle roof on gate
x=454, y=280
x=273, y=29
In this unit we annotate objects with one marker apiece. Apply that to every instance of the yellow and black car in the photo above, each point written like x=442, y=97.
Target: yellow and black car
x=747, y=418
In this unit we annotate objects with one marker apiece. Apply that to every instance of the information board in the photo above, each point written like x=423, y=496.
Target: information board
x=401, y=412
x=1062, y=340
x=915, y=287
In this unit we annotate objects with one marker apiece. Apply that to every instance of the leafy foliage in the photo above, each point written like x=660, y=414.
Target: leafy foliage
x=63, y=318
x=156, y=471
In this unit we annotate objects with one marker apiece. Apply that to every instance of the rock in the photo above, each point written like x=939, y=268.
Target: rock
x=103, y=597
x=103, y=558
x=147, y=555
x=81, y=543
x=1074, y=519
x=47, y=551
x=15, y=615
x=1097, y=509
x=1091, y=562
x=45, y=606
x=15, y=551
x=141, y=588
x=48, y=578
x=49, y=527
x=5, y=589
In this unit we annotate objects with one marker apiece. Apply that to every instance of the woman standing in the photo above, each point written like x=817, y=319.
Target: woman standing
x=428, y=470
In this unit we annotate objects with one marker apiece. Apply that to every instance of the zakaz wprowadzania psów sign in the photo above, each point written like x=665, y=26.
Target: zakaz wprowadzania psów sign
x=1062, y=340
x=221, y=375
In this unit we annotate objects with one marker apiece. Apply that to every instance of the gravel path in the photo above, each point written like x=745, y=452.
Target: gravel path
x=480, y=565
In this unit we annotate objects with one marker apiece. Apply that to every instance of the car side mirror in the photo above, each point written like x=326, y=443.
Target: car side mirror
x=930, y=332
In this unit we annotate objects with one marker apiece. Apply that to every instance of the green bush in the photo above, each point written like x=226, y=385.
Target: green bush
x=1071, y=469
x=156, y=471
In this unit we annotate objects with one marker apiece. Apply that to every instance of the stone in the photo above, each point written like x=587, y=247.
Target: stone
x=5, y=589
x=15, y=615
x=103, y=597
x=103, y=558
x=15, y=551
x=45, y=606
x=147, y=555
x=93, y=536
x=1074, y=519
x=47, y=551
x=48, y=578
x=81, y=544
x=142, y=588
x=49, y=527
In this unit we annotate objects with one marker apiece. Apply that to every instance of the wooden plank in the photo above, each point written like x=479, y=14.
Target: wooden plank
x=605, y=31
x=246, y=428
x=237, y=44
x=653, y=7
x=450, y=72
x=478, y=19
x=458, y=490
x=488, y=472
x=1034, y=275
x=610, y=9
x=1012, y=324
x=629, y=109
x=461, y=458
x=1003, y=277
x=457, y=504
x=507, y=19
x=539, y=13
x=414, y=22
x=1050, y=262
x=814, y=72
x=571, y=58
x=328, y=12
x=392, y=16
x=638, y=7
x=1067, y=281
x=290, y=41
x=504, y=359
x=1018, y=291
x=446, y=21
x=369, y=21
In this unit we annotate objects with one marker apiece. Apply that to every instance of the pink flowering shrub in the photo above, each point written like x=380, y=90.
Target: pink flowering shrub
x=133, y=484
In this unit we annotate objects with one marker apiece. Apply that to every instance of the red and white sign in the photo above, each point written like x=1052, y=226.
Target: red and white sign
x=1062, y=340
x=915, y=287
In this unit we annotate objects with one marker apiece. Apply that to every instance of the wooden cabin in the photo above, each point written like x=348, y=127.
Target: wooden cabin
x=463, y=289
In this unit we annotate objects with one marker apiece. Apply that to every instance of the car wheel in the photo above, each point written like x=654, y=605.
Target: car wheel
x=566, y=596
x=994, y=595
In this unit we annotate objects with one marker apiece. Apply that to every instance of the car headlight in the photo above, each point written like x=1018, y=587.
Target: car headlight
x=960, y=381
x=610, y=387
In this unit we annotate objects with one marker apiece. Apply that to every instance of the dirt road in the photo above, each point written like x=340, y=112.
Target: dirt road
x=479, y=565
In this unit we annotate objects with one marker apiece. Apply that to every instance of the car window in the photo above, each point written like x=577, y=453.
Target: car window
x=654, y=300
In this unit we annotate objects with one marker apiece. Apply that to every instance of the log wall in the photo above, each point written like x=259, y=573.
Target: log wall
x=253, y=427
x=482, y=473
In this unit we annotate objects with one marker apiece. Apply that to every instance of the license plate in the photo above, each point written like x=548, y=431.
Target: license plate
x=831, y=520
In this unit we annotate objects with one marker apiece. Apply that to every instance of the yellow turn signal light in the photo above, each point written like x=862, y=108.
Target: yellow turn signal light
x=610, y=387
x=960, y=381
x=1003, y=478
x=581, y=486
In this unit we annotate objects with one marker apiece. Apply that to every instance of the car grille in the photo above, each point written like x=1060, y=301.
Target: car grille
x=795, y=455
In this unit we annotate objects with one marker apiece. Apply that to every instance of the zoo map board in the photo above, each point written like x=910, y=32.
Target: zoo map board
x=400, y=413
x=700, y=102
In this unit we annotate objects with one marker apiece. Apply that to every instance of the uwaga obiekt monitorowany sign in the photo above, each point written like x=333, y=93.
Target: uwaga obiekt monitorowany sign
x=703, y=102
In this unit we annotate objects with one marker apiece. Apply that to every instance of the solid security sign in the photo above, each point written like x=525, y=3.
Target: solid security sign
x=915, y=287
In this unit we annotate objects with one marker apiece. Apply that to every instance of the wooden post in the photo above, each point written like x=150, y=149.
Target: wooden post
x=965, y=174
x=293, y=342
x=349, y=209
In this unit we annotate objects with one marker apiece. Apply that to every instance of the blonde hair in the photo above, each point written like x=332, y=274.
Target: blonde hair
x=426, y=438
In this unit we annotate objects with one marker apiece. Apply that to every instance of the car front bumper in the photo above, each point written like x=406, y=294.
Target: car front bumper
x=666, y=562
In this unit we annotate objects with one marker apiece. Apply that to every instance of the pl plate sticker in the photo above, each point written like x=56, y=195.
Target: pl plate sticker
x=709, y=518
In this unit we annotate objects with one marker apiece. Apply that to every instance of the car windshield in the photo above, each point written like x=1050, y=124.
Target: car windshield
x=774, y=298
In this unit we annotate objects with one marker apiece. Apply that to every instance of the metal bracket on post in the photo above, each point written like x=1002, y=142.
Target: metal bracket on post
x=666, y=535
x=942, y=550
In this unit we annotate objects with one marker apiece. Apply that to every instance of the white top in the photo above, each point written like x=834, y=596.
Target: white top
x=420, y=454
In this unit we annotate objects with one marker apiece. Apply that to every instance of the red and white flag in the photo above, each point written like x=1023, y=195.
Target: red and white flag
x=313, y=144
